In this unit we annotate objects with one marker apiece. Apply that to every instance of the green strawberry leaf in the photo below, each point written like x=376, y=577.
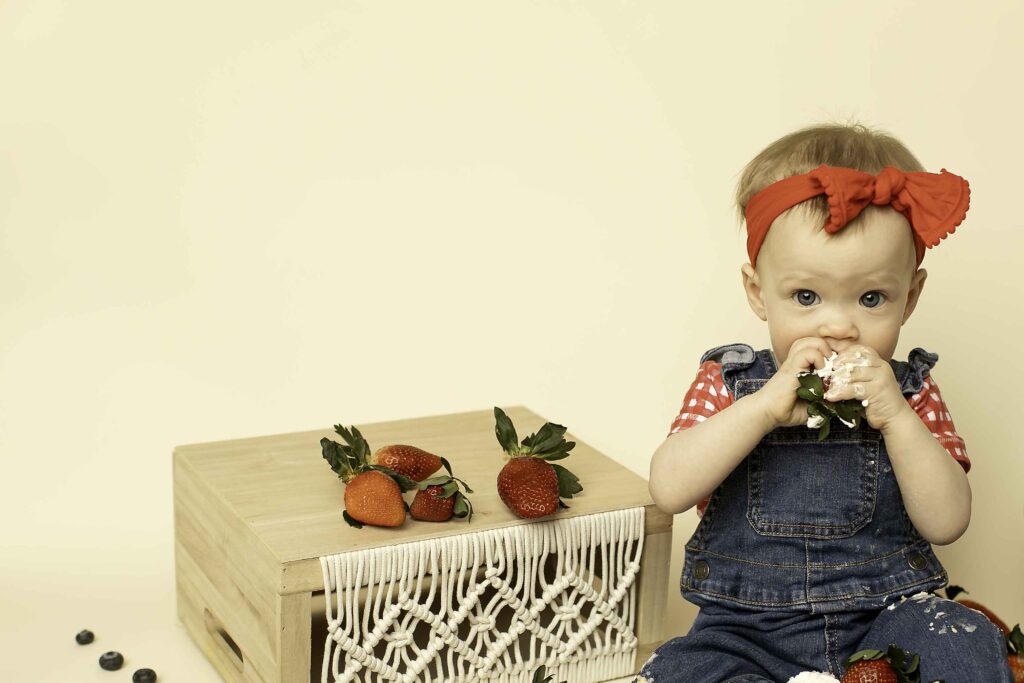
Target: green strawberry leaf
x=848, y=410
x=450, y=489
x=358, y=450
x=1015, y=641
x=549, y=439
x=348, y=453
x=807, y=394
x=350, y=520
x=813, y=384
x=435, y=481
x=505, y=431
x=953, y=591
x=568, y=483
x=542, y=434
x=823, y=430
x=333, y=455
x=345, y=434
x=404, y=482
x=558, y=455
x=362, y=448
x=863, y=655
x=447, y=466
x=896, y=657
x=462, y=507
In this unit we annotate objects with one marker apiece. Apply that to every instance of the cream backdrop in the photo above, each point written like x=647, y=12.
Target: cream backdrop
x=226, y=219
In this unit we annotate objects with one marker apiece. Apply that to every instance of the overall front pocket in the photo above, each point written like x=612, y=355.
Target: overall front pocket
x=799, y=486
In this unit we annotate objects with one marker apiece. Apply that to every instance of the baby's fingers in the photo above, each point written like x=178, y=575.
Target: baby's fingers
x=809, y=353
x=842, y=392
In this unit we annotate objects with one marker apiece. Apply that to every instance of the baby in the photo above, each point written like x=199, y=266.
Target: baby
x=807, y=549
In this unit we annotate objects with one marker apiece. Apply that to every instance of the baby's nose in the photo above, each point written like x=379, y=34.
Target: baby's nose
x=837, y=345
x=839, y=334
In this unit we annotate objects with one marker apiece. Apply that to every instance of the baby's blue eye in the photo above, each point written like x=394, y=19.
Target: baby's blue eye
x=872, y=299
x=802, y=298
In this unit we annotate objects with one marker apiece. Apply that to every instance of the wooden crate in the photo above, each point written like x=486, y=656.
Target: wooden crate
x=253, y=518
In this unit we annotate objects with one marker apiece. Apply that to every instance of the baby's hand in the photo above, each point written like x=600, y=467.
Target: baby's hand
x=778, y=397
x=864, y=376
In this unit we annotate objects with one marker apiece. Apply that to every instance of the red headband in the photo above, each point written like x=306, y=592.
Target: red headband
x=934, y=203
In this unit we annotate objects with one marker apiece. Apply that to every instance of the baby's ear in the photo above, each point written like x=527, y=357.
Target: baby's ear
x=916, y=285
x=752, y=285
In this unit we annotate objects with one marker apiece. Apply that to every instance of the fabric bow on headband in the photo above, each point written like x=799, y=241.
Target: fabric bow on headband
x=934, y=203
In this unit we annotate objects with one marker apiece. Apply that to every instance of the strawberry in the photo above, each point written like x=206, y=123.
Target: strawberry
x=953, y=591
x=374, y=498
x=870, y=671
x=431, y=505
x=413, y=462
x=373, y=493
x=1015, y=653
x=528, y=483
x=529, y=487
x=439, y=499
x=874, y=666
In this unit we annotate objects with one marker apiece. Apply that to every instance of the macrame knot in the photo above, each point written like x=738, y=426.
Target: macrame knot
x=888, y=184
x=483, y=623
x=400, y=638
x=567, y=612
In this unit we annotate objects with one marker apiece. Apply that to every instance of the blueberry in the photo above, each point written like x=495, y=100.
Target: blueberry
x=111, y=661
x=144, y=676
x=84, y=637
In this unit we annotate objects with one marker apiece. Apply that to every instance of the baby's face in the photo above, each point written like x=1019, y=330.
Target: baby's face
x=857, y=286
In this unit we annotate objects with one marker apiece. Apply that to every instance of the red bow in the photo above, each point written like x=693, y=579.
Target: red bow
x=934, y=203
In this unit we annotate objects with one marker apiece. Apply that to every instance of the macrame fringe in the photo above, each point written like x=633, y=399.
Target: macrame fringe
x=565, y=587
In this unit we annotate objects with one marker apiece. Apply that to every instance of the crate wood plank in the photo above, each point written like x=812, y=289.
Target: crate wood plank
x=227, y=572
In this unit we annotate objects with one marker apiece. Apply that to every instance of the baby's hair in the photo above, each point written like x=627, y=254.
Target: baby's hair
x=851, y=145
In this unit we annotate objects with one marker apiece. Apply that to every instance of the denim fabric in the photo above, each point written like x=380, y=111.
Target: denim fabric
x=956, y=644
x=802, y=549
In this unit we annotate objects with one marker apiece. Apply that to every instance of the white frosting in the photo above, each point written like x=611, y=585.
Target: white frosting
x=813, y=677
x=841, y=374
x=828, y=369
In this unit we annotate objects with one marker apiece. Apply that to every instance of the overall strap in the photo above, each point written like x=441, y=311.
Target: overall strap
x=739, y=361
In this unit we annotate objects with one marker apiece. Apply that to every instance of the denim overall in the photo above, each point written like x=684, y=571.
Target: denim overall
x=803, y=549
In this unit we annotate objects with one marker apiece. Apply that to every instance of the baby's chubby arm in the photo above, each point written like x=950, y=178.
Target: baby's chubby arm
x=691, y=463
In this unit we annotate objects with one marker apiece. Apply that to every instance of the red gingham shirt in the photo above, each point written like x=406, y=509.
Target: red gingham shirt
x=708, y=395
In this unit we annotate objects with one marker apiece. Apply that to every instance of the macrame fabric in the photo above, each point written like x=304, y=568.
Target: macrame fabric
x=490, y=605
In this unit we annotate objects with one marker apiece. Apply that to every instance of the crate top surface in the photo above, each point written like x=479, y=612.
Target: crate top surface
x=285, y=492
